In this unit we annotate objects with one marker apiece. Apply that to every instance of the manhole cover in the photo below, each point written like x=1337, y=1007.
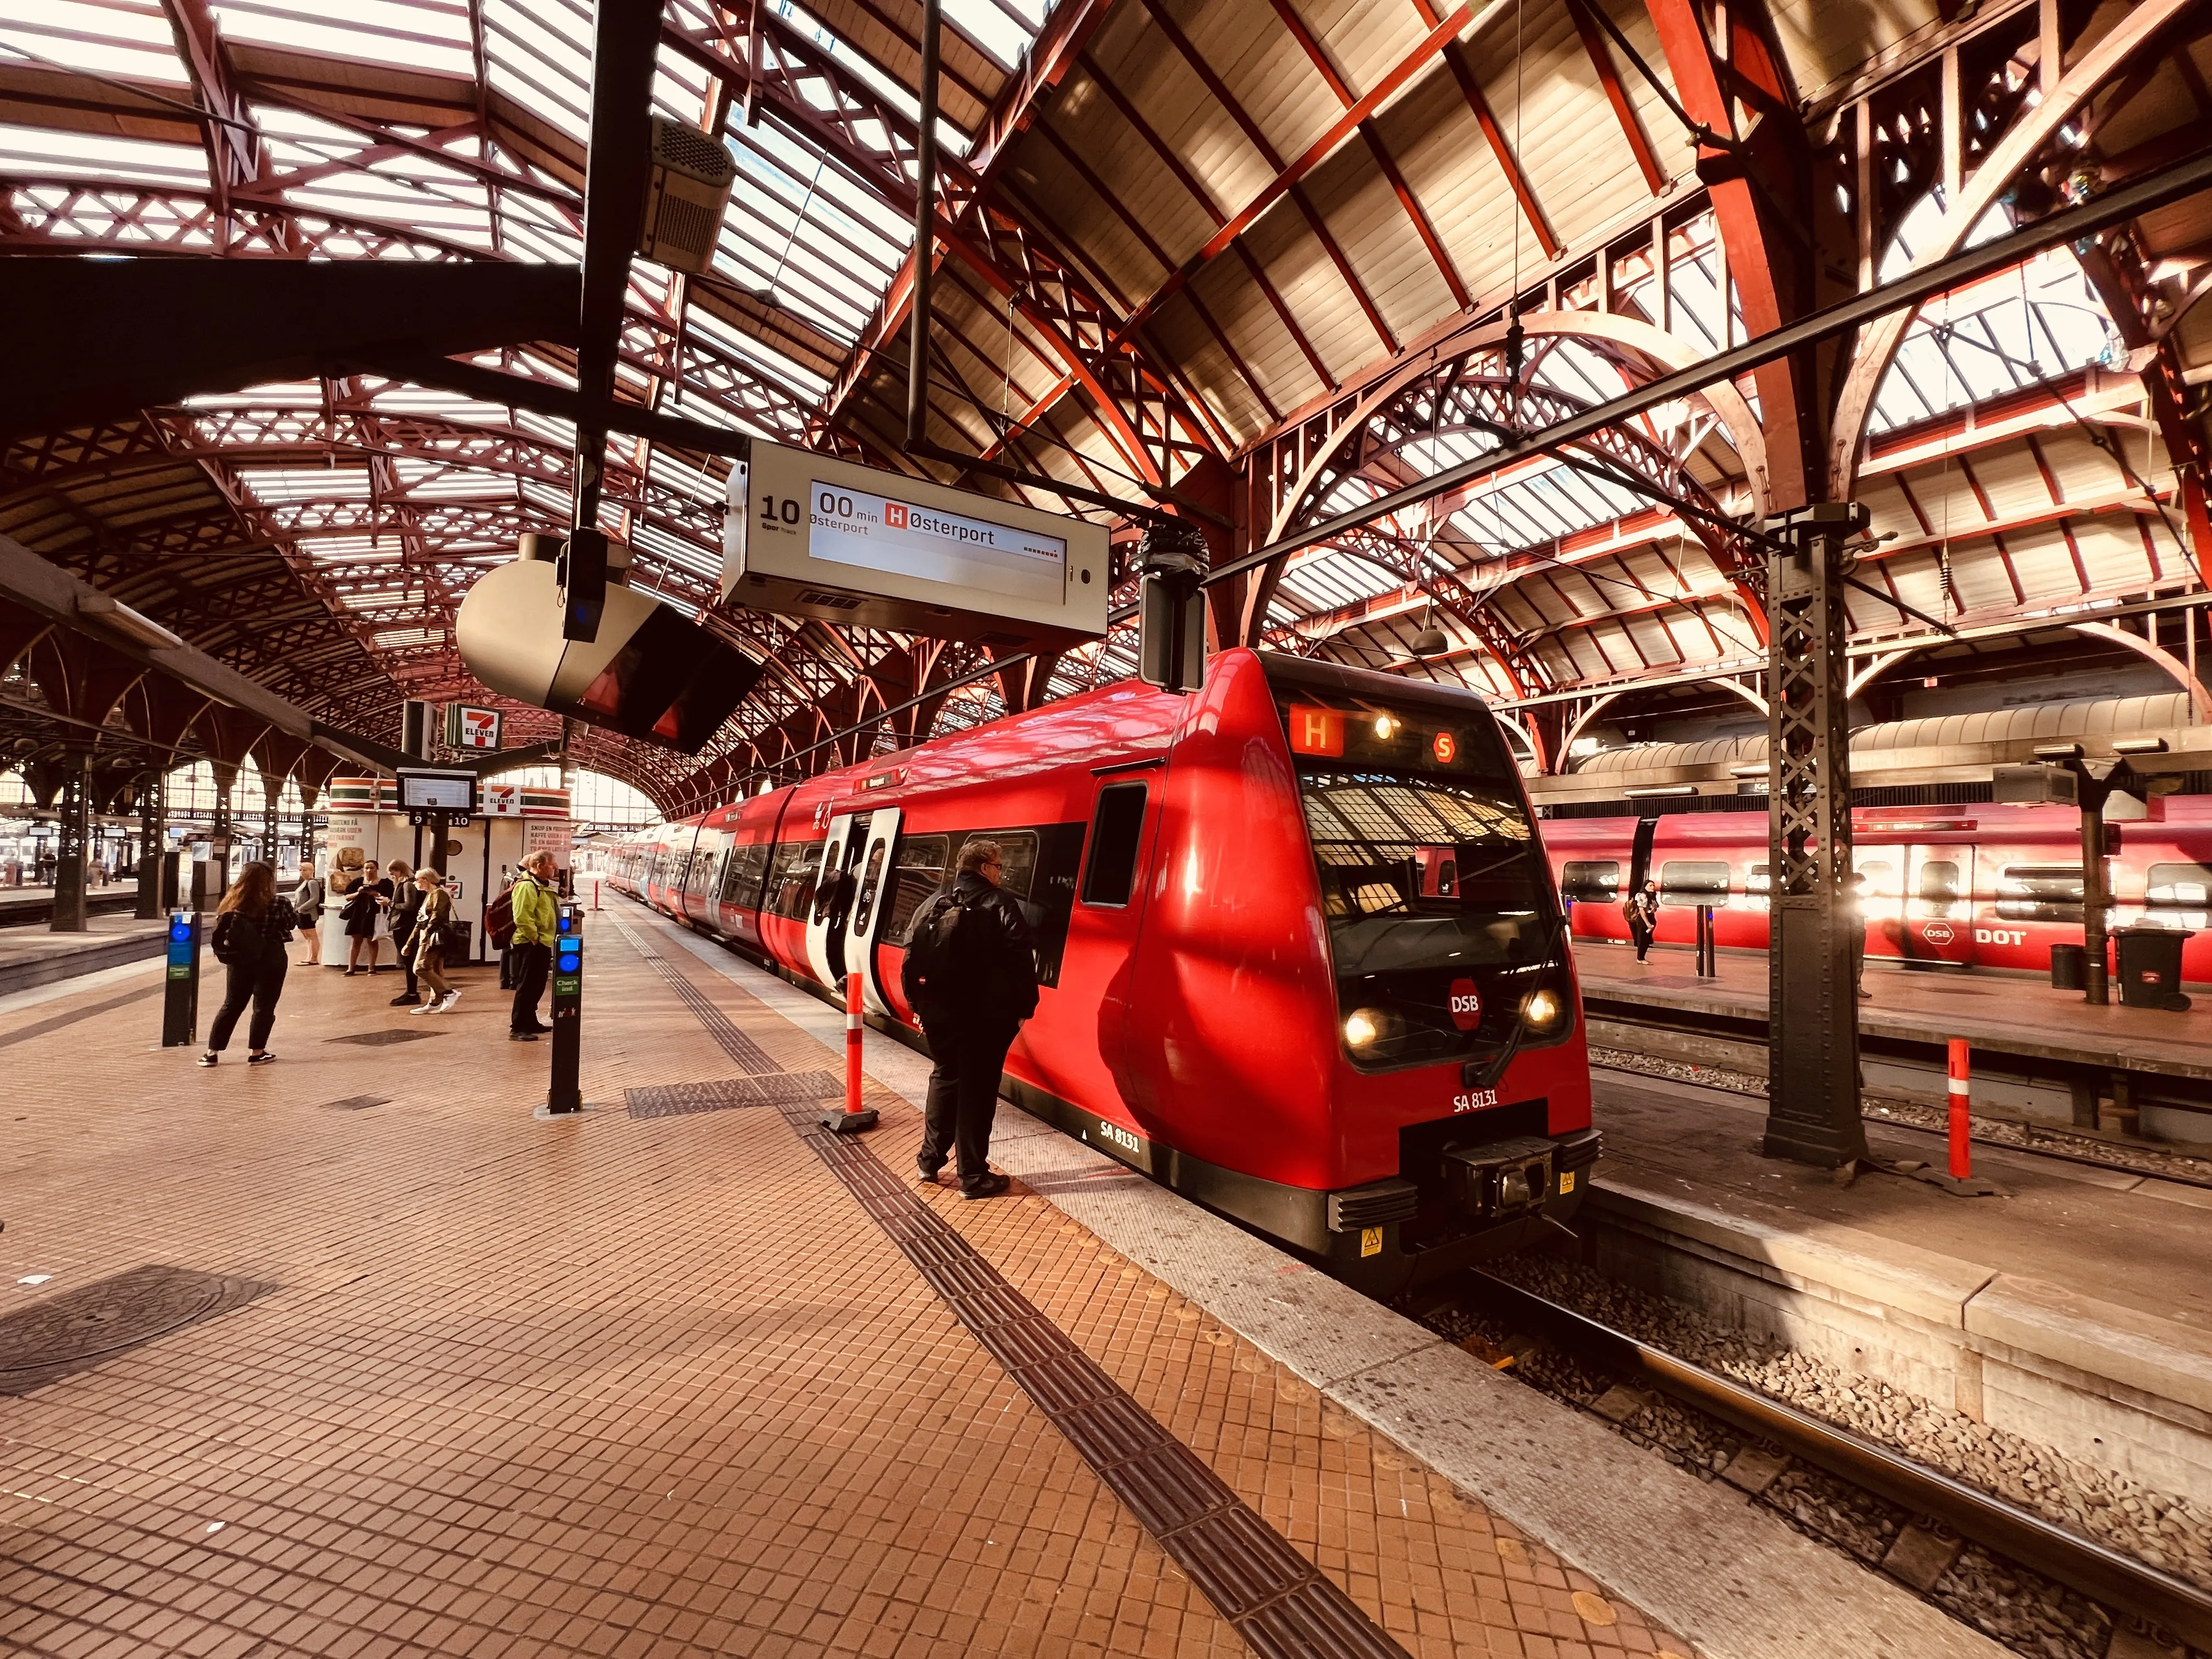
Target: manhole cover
x=775, y=1089
x=60, y=1335
x=389, y=1034
x=357, y=1102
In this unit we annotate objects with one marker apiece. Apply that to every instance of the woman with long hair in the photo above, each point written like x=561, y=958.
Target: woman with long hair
x=252, y=926
x=406, y=905
x=364, y=919
x=432, y=933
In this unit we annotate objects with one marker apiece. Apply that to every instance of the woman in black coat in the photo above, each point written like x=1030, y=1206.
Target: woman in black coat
x=252, y=926
x=406, y=905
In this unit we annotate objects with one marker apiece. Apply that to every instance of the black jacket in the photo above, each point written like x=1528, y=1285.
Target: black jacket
x=996, y=954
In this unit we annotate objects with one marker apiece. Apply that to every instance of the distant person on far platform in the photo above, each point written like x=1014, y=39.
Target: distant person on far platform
x=1642, y=908
x=428, y=938
x=971, y=975
x=537, y=925
x=252, y=926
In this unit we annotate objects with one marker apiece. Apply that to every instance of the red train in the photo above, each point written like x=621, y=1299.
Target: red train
x=1301, y=957
x=1979, y=886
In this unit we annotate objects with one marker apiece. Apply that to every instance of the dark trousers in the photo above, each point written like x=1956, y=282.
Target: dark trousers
x=1642, y=936
x=963, y=1092
x=532, y=963
x=259, y=983
x=507, y=967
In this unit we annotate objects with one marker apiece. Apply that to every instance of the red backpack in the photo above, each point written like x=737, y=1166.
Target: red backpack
x=499, y=918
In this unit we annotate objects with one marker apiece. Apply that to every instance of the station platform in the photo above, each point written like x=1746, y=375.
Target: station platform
x=30, y=956
x=2045, y=1053
x=350, y=1354
x=25, y=907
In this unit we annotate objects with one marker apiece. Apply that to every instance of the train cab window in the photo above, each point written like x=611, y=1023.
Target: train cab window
x=919, y=872
x=1116, y=835
x=791, y=878
x=1590, y=881
x=1693, y=881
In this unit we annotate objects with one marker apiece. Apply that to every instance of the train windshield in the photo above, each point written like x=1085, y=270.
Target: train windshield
x=1441, y=918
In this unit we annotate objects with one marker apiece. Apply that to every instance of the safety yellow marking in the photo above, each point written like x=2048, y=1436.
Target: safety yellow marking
x=1370, y=1241
x=1566, y=1182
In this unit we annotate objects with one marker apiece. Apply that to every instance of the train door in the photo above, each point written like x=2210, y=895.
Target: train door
x=1880, y=871
x=1939, y=905
x=870, y=900
x=833, y=898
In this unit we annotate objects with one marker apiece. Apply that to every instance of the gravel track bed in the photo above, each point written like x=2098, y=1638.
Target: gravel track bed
x=1991, y=1131
x=2027, y=1613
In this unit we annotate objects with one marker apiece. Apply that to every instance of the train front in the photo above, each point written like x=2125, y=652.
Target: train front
x=1420, y=976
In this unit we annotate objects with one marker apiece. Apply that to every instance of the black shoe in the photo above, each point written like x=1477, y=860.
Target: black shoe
x=929, y=1171
x=539, y=1031
x=522, y=1036
x=989, y=1187
x=406, y=999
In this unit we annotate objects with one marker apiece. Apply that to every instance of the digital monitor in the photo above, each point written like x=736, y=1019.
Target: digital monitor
x=437, y=792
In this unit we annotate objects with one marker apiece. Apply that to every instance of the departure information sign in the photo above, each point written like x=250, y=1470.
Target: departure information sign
x=881, y=532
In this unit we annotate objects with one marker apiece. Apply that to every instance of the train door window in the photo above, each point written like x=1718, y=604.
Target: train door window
x=919, y=872
x=2178, y=896
x=868, y=889
x=1683, y=882
x=1938, y=887
x=1116, y=836
x=1759, y=888
x=791, y=876
x=1590, y=881
x=1880, y=893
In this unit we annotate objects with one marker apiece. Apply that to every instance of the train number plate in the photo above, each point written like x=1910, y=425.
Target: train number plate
x=1474, y=1100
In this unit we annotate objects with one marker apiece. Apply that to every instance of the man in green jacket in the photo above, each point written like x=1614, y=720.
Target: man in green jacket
x=537, y=924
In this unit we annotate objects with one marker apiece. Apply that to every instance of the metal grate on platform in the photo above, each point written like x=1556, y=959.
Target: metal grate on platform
x=723, y=1094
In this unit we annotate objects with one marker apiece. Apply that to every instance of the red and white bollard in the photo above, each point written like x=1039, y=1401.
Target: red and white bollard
x=597, y=882
x=855, y=1117
x=1962, y=1157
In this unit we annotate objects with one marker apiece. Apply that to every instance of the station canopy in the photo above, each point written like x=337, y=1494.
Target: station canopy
x=1254, y=261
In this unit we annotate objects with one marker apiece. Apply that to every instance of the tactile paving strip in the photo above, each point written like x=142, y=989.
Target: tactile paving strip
x=725, y=1094
x=1280, y=1602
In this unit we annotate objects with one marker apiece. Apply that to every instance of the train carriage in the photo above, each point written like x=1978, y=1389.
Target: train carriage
x=1300, y=952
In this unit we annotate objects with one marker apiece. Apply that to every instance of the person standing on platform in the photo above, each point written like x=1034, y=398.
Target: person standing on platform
x=364, y=919
x=307, y=905
x=971, y=975
x=537, y=925
x=252, y=926
x=406, y=904
x=1642, y=908
x=427, y=939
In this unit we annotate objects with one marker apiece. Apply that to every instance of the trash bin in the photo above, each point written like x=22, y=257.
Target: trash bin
x=2150, y=966
x=2070, y=967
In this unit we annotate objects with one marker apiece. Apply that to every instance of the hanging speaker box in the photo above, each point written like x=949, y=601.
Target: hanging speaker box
x=685, y=196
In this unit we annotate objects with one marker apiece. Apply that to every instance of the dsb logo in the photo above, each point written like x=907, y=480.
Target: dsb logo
x=1465, y=1003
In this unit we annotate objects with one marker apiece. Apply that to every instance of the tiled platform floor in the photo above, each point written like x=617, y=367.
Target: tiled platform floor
x=617, y=1386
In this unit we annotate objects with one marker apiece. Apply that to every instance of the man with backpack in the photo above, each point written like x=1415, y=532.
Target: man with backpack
x=537, y=906
x=970, y=973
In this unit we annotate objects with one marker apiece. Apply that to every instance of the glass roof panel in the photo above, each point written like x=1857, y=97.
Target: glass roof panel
x=128, y=39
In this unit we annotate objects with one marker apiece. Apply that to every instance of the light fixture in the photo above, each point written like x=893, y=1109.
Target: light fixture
x=2138, y=746
x=1750, y=770
x=1656, y=791
x=1543, y=1010
x=1431, y=640
x=1363, y=1026
x=2057, y=751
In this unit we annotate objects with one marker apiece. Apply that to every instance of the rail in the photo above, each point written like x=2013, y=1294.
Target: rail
x=2106, y=1576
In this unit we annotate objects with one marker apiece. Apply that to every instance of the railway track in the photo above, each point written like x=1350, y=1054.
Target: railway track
x=2132, y=1594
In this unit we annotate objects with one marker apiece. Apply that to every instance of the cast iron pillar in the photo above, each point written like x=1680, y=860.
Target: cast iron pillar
x=153, y=842
x=75, y=842
x=1812, y=1035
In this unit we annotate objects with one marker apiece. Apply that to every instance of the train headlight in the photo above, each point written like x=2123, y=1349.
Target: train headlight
x=1363, y=1026
x=1385, y=727
x=1544, y=1010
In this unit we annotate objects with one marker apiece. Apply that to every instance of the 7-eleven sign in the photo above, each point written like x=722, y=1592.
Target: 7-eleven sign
x=471, y=728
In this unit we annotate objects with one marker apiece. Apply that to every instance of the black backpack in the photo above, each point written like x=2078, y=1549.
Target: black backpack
x=932, y=948
x=237, y=938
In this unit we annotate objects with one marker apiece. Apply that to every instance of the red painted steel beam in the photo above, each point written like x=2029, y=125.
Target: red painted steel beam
x=1600, y=58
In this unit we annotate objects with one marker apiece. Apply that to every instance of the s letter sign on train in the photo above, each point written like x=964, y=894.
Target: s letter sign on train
x=813, y=537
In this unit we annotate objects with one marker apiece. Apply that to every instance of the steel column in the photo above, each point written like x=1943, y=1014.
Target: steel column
x=73, y=841
x=153, y=842
x=1812, y=1058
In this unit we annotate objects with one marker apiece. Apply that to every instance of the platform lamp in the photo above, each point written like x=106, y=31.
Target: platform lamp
x=1431, y=640
x=1170, y=609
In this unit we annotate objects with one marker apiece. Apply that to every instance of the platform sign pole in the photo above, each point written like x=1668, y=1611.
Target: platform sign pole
x=1813, y=1054
x=855, y=1118
x=1961, y=1124
x=180, y=989
x=565, y=1094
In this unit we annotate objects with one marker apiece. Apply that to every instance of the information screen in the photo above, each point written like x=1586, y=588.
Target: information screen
x=880, y=532
x=437, y=792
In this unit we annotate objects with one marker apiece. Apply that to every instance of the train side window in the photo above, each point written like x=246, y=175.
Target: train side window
x=2186, y=884
x=1939, y=880
x=919, y=872
x=1590, y=881
x=1116, y=833
x=741, y=875
x=1693, y=881
x=791, y=878
x=2040, y=892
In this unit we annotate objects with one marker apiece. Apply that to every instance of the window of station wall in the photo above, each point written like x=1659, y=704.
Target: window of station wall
x=1590, y=881
x=1693, y=881
x=1116, y=835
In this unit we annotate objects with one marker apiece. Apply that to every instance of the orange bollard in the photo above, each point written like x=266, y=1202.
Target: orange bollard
x=597, y=882
x=855, y=1117
x=1962, y=1157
